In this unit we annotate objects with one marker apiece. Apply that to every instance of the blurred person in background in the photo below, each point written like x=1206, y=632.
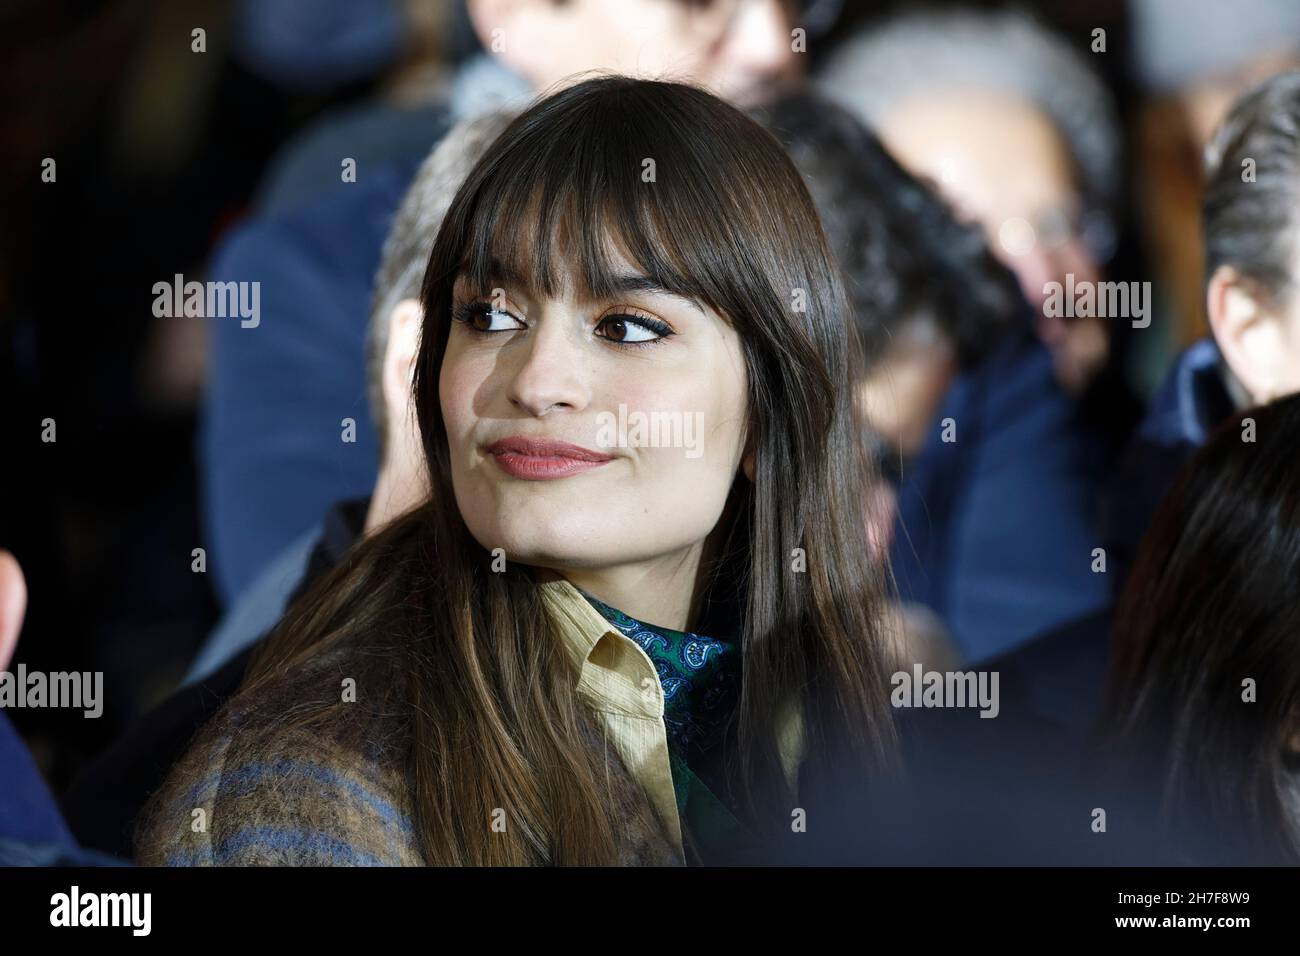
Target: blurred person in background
x=1016, y=131
x=390, y=346
x=282, y=395
x=1191, y=60
x=1250, y=218
x=990, y=531
x=1203, y=707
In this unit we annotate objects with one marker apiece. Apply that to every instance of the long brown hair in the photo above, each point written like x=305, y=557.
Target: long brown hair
x=495, y=721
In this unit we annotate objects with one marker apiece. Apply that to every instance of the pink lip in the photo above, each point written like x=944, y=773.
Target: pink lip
x=539, y=459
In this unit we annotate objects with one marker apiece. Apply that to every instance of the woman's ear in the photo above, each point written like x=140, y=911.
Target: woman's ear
x=1248, y=332
x=747, y=462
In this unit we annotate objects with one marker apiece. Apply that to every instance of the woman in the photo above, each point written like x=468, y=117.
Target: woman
x=480, y=682
x=1204, y=696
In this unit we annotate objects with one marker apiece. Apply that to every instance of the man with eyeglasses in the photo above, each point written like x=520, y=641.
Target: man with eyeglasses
x=1016, y=131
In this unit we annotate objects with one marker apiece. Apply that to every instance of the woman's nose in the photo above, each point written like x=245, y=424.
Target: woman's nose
x=550, y=373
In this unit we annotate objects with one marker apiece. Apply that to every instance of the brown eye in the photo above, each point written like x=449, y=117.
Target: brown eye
x=481, y=317
x=632, y=329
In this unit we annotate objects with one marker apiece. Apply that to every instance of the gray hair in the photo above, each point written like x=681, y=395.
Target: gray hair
x=415, y=226
x=1004, y=51
x=1250, y=222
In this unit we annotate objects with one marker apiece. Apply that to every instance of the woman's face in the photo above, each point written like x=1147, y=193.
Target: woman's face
x=592, y=434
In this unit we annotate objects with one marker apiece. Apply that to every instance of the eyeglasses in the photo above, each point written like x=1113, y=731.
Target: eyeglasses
x=1053, y=227
x=1092, y=227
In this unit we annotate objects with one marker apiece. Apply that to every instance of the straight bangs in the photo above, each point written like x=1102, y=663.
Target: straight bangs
x=571, y=189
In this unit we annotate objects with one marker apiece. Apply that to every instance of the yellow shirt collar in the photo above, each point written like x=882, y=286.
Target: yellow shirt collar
x=619, y=682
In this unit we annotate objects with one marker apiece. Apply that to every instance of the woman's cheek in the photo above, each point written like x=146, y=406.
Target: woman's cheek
x=705, y=461
x=457, y=387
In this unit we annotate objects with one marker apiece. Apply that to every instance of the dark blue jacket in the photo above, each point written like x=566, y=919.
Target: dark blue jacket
x=32, y=831
x=272, y=444
x=27, y=811
x=995, y=530
x=1189, y=404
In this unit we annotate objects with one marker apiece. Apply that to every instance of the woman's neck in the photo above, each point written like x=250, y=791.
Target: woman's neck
x=659, y=592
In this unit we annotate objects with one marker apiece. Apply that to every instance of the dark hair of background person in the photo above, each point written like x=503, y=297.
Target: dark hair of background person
x=1214, y=599
x=1251, y=225
x=903, y=252
x=495, y=720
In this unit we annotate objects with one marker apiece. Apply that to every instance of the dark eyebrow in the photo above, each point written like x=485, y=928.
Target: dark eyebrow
x=632, y=284
x=499, y=275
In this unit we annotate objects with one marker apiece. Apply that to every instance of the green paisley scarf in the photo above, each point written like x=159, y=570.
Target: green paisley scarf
x=701, y=682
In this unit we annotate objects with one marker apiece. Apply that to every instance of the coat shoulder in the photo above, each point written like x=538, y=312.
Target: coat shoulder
x=265, y=783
